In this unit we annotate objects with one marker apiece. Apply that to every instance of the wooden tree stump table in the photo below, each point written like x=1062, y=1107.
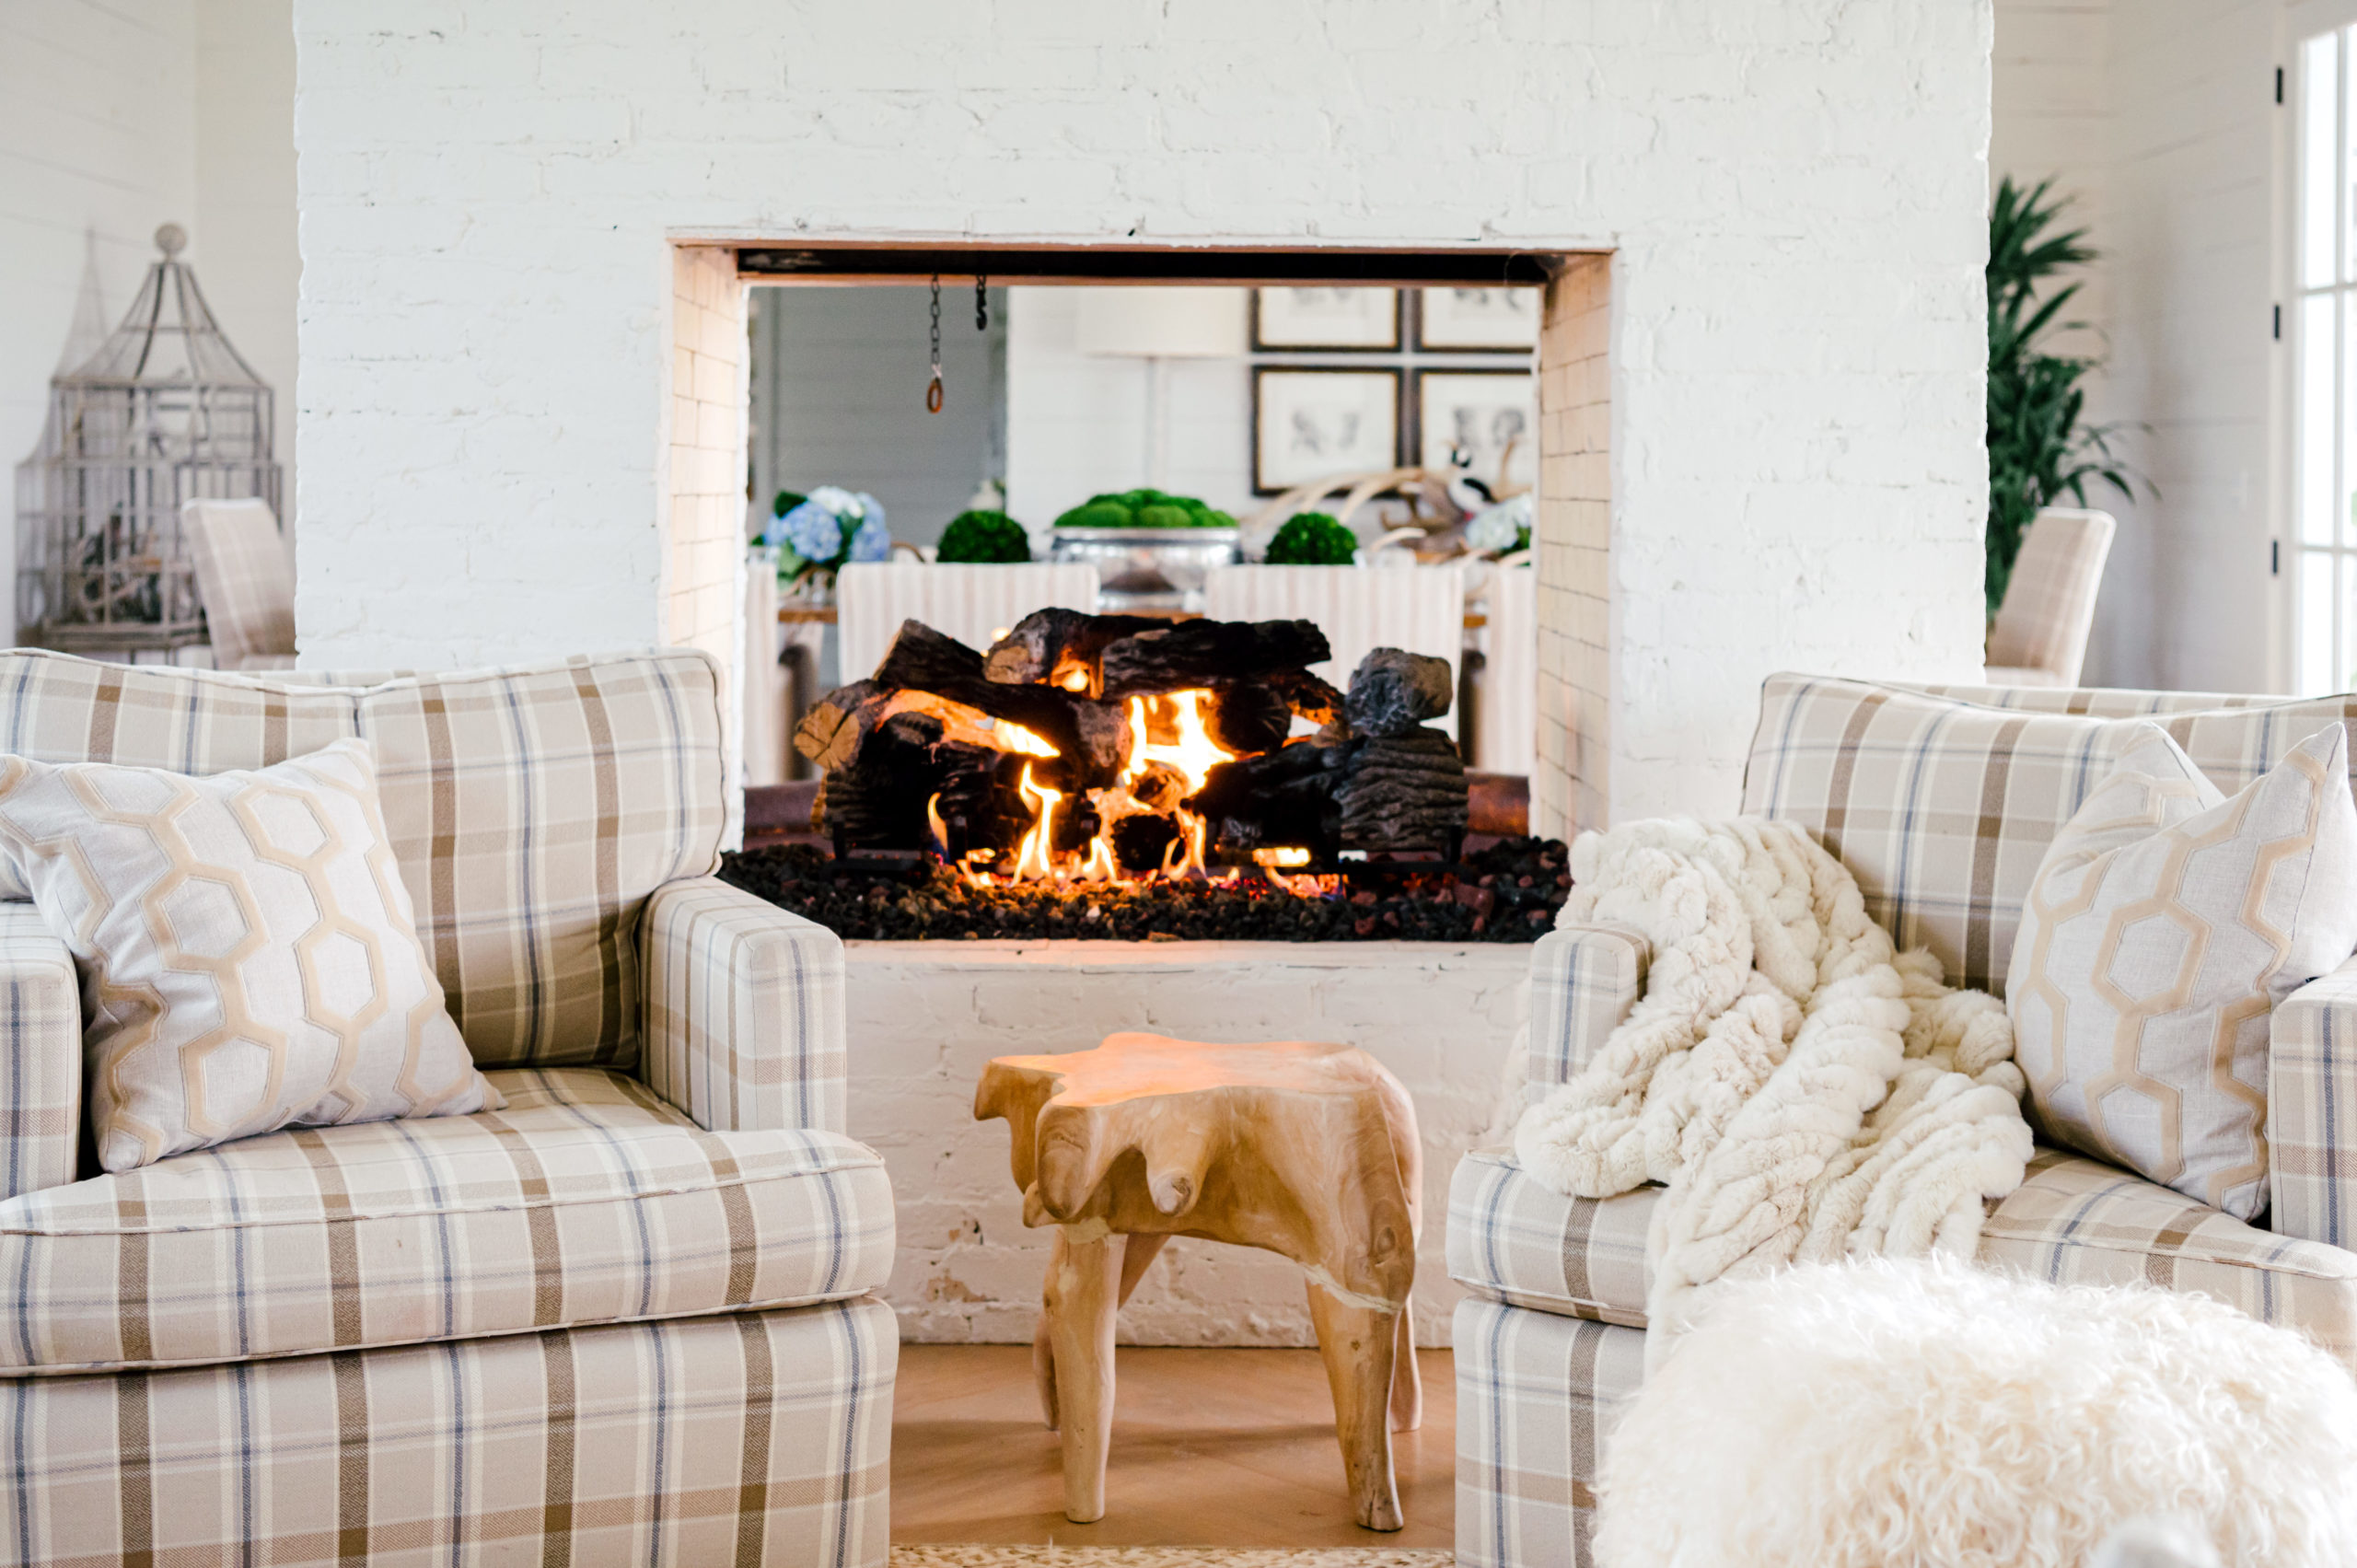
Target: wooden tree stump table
x=1306, y=1150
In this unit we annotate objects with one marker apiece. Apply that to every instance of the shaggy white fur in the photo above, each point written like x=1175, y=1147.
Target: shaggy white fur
x=1806, y=1092
x=1932, y=1415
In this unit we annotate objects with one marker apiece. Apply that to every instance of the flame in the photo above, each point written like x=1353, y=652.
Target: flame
x=1102, y=866
x=1285, y=859
x=932, y=822
x=1014, y=737
x=1194, y=754
x=1033, y=862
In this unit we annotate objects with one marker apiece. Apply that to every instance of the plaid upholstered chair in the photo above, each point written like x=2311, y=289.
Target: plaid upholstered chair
x=2040, y=634
x=246, y=581
x=1942, y=803
x=627, y=1318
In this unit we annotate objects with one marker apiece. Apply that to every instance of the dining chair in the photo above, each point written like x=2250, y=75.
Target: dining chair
x=2040, y=634
x=246, y=581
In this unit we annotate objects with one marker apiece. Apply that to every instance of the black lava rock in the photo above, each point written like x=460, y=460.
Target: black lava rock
x=1508, y=892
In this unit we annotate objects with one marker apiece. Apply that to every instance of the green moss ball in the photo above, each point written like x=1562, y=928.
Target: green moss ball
x=987, y=537
x=1312, y=538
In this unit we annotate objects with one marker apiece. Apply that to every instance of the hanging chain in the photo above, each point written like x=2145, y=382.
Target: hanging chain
x=981, y=303
x=932, y=398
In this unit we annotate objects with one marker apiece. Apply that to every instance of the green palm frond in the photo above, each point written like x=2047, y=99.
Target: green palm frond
x=2039, y=451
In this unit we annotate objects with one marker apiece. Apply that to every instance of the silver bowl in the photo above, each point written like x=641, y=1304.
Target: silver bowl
x=1148, y=568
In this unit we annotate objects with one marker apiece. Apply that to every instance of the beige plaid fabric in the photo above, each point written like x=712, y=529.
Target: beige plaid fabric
x=2312, y=1111
x=1584, y=980
x=758, y=1439
x=1943, y=808
x=1537, y=1396
x=40, y=1054
x=588, y=1200
x=1515, y=1240
x=531, y=810
x=2077, y=1221
x=245, y=580
x=2049, y=603
x=2232, y=740
x=744, y=1009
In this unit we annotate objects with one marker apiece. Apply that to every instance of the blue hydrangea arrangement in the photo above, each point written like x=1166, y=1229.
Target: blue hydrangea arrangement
x=826, y=528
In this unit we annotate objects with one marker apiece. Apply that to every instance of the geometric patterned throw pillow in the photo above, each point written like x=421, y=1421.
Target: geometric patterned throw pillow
x=2164, y=924
x=249, y=955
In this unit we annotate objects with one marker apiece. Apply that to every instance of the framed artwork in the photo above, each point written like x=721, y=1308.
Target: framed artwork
x=1479, y=319
x=1320, y=421
x=1363, y=319
x=1489, y=418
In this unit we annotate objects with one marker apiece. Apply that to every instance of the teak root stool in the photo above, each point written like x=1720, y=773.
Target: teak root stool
x=1306, y=1150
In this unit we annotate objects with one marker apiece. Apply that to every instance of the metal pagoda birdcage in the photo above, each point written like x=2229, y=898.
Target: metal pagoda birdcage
x=165, y=413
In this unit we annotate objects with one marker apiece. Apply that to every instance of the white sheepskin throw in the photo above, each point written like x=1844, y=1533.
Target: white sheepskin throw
x=1805, y=1092
x=1934, y=1415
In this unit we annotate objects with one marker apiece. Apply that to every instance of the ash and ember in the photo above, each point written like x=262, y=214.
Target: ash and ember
x=1131, y=777
x=1508, y=892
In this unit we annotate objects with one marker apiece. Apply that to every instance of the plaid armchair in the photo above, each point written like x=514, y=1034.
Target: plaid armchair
x=1941, y=801
x=625, y=1318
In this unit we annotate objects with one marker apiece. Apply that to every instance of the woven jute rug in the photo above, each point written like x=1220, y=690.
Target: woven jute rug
x=1161, y=1557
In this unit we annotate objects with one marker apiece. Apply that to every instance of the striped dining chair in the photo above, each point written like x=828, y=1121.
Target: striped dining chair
x=2040, y=635
x=246, y=581
x=970, y=601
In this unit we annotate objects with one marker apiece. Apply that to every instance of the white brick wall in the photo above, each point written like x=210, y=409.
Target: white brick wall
x=1793, y=192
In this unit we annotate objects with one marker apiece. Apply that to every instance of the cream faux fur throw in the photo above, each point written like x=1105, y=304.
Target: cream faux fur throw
x=1804, y=1091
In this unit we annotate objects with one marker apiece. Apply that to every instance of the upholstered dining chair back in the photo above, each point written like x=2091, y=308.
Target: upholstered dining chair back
x=246, y=581
x=532, y=810
x=1419, y=609
x=2041, y=636
x=972, y=602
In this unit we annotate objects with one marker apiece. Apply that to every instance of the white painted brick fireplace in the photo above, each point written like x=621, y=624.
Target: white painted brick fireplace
x=1791, y=194
x=520, y=399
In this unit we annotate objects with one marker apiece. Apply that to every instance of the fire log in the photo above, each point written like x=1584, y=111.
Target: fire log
x=1088, y=736
x=1205, y=653
x=1402, y=792
x=1047, y=646
x=1278, y=798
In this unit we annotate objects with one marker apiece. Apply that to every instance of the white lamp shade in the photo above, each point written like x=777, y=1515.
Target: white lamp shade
x=1163, y=323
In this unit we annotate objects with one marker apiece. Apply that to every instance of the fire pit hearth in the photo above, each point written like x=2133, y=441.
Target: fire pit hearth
x=1129, y=777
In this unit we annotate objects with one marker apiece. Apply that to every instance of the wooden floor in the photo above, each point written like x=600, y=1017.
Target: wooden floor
x=1210, y=1447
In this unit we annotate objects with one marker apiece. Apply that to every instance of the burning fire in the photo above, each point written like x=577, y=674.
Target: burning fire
x=1185, y=749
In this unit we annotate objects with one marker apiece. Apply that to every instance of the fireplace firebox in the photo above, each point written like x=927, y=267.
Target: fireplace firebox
x=1113, y=775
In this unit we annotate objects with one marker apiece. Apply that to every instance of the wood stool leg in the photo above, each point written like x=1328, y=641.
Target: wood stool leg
x=1360, y=1346
x=1407, y=1381
x=1081, y=1296
x=1138, y=1253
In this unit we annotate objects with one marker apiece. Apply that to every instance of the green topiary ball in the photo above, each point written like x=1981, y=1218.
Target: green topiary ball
x=987, y=537
x=1312, y=538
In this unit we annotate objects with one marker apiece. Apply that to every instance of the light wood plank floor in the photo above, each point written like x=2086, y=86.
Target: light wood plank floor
x=1210, y=1447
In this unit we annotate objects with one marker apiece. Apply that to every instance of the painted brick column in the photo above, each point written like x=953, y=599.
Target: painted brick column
x=1574, y=541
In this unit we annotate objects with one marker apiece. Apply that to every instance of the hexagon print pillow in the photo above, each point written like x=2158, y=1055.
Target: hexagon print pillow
x=2165, y=923
x=248, y=956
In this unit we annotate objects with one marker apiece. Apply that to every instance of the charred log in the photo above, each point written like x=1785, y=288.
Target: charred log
x=1402, y=792
x=1393, y=692
x=1206, y=653
x=1282, y=798
x=926, y=672
x=1048, y=647
x=1245, y=717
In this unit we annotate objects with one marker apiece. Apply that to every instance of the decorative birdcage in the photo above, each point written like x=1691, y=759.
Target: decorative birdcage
x=165, y=413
